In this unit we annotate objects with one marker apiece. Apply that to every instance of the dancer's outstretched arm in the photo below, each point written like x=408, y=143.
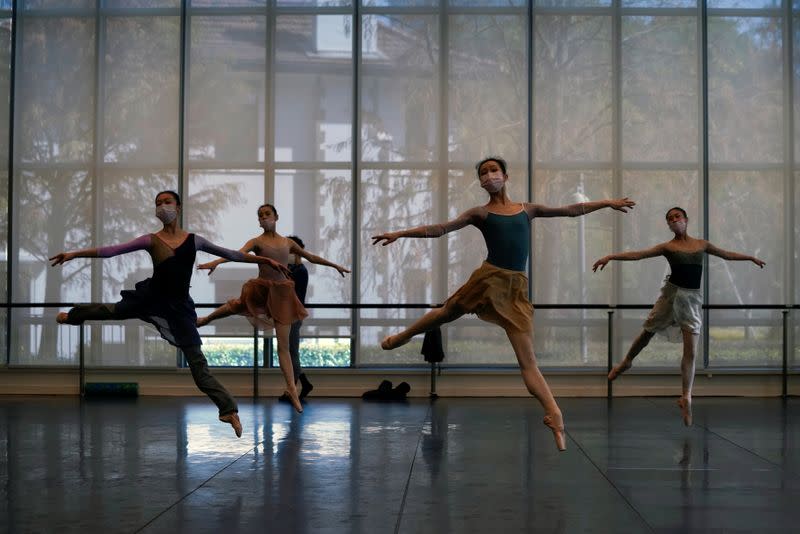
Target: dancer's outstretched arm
x=313, y=258
x=471, y=216
x=140, y=243
x=633, y=255
x=235, y=255
x=211, y=265
x=732, y=256
x=577, y=210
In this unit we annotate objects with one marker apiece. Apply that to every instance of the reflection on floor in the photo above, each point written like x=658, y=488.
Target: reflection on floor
x=457, y=465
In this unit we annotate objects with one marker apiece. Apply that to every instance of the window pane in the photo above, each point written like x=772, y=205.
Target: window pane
x=796, y=95
x=317, y=207
x=36, y=338
x=659, y=3
x=54, y=215
x=572, y=88
x=572, y=3
x=227, y=89
x=60, y=4
x=399, y=88
x=319, y=352
x=565, y=248
x=313, y=88
x=126, y=344
x=5, y=79
x=55, y=94
x=402, y=272
x=141, y=3
x=745, y=103
x=659, y=89
x=140, y=104
x=222, y=206
x=655, y=192
x=487, y=87
x=746, y=215
x=745, y=4
x=745, y=338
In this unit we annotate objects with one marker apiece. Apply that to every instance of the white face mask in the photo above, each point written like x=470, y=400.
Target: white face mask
x=678, y=226
x=267, y=224
x=493, y=182
x=166, y=213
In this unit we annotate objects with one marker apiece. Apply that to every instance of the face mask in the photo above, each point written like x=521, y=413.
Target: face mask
x=166, y=213
x=493, y=183
x=267, y=224
x=678, y=226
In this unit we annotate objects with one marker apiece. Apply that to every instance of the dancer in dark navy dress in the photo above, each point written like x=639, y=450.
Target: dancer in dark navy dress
x=163, y=300
x=498, y=290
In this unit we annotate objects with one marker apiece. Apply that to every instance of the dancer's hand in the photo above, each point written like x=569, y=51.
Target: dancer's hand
x=210, y=266
x=622, y=204
x=758, y=262
x=341, y=270
x=601, y=263
x=62, y=257
x=389, y=237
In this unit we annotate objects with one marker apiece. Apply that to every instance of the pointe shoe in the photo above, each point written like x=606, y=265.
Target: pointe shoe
x=391, y=342
x=686, y=410
x=233, y=419
x=61, y=318
x=556, y=424
x=387, y=343
x=295, y=400
x=618, y=369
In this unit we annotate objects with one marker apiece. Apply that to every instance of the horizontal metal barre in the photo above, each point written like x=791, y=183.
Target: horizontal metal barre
x=361, y=306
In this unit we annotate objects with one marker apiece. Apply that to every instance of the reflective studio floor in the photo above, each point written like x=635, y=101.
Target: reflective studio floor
x=455, y=465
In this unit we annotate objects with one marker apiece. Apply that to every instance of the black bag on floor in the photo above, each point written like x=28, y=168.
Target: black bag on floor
x=386, y=393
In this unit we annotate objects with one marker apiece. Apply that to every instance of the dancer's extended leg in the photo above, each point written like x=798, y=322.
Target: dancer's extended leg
x=687, y=375
x=285, y=361
x=638, y=344
x=229, y=308
x=89, y=312
x=209, y=385
x=522, y=342
x=429, y=321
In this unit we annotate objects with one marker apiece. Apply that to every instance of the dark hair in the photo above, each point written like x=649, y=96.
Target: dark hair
x=676, y=208
x=175, y=195
x=297, y=240
x=270, y=206
x=500, y=161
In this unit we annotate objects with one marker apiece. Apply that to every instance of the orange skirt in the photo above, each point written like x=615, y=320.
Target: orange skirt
x=496, y=295
x=268, y=302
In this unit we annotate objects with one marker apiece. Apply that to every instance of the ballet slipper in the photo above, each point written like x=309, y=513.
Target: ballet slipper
x=233, y=419
x=61, y=318
x=391, y=342
x=618, y=369
x=556, y=424
x=685, y=405
x=294, y=399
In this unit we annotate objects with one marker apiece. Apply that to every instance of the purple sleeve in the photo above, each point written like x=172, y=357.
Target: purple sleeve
x=203, y=244
x=140, y=243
